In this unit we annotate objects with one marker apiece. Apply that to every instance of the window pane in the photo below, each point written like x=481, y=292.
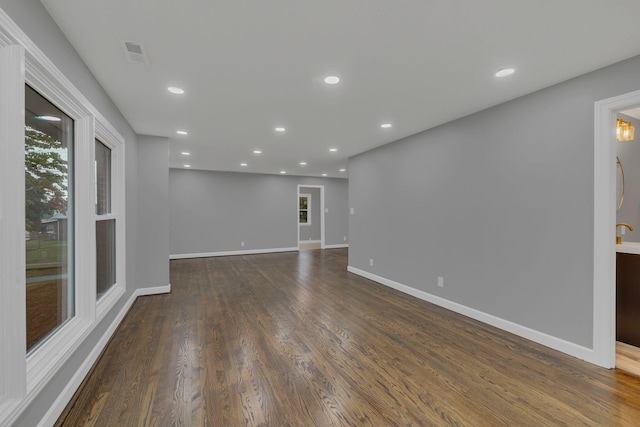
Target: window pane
x=49, y=217
x=103, y=178
x=105, y=256
x=303, y=217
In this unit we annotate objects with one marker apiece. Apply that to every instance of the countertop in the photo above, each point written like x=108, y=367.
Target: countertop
x=628, y=248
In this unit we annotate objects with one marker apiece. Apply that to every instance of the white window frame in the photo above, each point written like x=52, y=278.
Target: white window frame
x=308, y=196
x=22, y=376
x=12, y=250
x=110, y=138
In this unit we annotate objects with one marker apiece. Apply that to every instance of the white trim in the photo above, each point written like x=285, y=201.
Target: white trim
x=68, y=391
x=154, y=290
x=309, y=241
x=322, y=213
x=567, y=347
x=84, y=229
x=230, y=253
x=106, y=217
x=107, y=301
x=604, y=220
x=12, y=212
x=342, y=245
x=45, y=361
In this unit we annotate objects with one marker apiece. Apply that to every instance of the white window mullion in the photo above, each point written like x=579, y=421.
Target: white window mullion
x=12, y=225
x=85, y=214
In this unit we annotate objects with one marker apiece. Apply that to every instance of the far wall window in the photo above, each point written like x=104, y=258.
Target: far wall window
x=305, y=209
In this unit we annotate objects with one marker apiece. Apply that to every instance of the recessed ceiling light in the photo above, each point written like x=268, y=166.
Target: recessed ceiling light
x=185, y=153
x=243, y=164
x=303, y=163
x=342, y=170
x=280, y=129
x=283, y=172
x=505, y=72
x=187, y=166
x=331, y=80
x=257, y=151
x=48, y=118
x=333, y=150
x=385, y=125
x=324, y=174
x=181, y=132
x=175, y=90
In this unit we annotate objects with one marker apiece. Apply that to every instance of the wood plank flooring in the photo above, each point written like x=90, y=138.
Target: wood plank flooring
x=628, y=358
x=293, y=339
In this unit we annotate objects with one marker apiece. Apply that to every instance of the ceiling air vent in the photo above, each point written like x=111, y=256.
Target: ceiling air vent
x=134, y=52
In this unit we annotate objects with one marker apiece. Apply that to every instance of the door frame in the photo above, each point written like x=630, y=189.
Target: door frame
x=321, y=187
x=604, y=221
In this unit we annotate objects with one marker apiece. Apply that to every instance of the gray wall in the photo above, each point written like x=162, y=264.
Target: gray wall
x=215, y=211
x=31, y=16
x=313, y=230
x=153, y=210
x=629, y=154
x=499, y=203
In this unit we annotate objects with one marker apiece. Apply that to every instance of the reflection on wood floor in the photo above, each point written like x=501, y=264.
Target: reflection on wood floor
x=292, y=339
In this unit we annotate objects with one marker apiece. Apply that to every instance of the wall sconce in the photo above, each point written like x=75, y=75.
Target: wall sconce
x=624, y=130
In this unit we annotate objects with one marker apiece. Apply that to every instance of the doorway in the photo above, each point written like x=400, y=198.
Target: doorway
x=310, y=216
x=604, y=218
x=628, y=241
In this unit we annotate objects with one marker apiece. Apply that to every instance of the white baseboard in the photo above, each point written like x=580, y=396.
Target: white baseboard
x=555, y=343
x=310, y=241
x=67, y=393
x=345, y=245
x=229, y=253
x=155, y=290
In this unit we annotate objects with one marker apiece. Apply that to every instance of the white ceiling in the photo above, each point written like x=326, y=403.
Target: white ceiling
x=248, y=66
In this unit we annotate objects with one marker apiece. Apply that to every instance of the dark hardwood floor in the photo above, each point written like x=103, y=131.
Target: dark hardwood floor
x=292, y=339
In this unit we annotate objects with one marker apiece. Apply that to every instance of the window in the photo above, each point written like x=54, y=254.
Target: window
x=48, y=217
x=62, y=220
x=105, y=223
x=304, y=209
x=105, y=256
x=103, y=178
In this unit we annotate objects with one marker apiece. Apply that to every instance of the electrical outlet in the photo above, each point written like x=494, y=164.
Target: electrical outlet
x=622, y=230
x=345, y=238
x=326, y=210
x=242, y=244
x=441, y=281
x=352, y=211
x=371, y=262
